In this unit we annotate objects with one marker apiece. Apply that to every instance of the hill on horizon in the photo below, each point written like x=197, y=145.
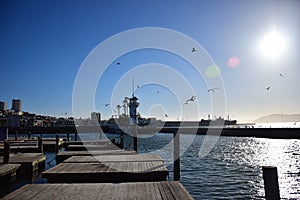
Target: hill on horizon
x=278, y=118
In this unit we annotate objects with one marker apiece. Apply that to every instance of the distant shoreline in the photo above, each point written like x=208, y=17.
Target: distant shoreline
x=275, y=133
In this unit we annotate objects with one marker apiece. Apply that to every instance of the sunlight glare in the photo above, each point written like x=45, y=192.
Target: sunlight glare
x=273, y=44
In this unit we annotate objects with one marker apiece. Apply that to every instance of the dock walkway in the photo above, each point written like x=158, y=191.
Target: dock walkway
x=30, y=163
x=123, y=191
x=61, y=156
x=8, y=172
x=108, y=169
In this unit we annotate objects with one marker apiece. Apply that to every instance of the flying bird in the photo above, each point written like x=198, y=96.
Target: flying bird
x=157, y=92
x=106, y=104
x=268, y=88
x=193, y=98
x=213, y=89
x=118, y=63
x=281, y=75
x=194, y=49
x=166, y=115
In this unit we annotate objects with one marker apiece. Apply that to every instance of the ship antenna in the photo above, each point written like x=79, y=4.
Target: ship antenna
x=132, y=86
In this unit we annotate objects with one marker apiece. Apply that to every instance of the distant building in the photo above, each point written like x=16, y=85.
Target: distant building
x=96, y=116
x=2, y=106
x=13, y=120
x=16, y=105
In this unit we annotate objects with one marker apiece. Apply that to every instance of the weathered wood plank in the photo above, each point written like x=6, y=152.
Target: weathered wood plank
x=61, y=156
x=141, y=190
x=106, y=172
x=8, y=168
x=114, y=158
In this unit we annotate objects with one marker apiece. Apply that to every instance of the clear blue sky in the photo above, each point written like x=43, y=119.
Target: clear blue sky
x=43, y=44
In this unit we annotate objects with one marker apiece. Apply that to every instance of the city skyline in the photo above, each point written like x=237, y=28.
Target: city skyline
x=44, y=44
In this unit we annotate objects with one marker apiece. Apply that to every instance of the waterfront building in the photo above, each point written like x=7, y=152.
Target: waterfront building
x=16, y=105
x=96, y=116
x=2, y=106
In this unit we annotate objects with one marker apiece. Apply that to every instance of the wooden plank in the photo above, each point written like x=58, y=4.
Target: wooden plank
x=114, y=158
x=122, y=191
x=106, y=172
x=6, y=169
x=61, y=156
x=91, y=147
x=31, y=163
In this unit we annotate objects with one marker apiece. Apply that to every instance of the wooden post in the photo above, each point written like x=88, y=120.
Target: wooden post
x=271, y=183
x=122, y=140
x=76, y=135
x=16, y=135
x=57, y=144
x=176, y=156
x=6, y=152
x=68, y=136
x=135, y=143
x=29, y=135
x=40, y=144
x=3, y=133
x=100, y=134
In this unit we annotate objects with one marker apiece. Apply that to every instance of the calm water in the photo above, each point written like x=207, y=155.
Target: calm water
x=232, y=170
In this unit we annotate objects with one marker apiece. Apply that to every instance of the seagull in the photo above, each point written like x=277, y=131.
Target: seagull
x=194, y=49
x=268, y=88
x=213, y=89
x=193, y=98
x=281, y=75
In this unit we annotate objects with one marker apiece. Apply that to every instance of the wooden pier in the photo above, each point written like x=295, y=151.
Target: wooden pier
x=61, y=156
x=108, y=169
x=31, y=163
x=123, y=191
x=8, y=172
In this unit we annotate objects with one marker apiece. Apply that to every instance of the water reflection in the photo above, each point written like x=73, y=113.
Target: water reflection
x=232, y=170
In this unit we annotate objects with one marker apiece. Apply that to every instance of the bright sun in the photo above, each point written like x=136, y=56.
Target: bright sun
x=273, y=44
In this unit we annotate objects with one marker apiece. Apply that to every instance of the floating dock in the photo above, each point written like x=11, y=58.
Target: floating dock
x=123, y=191
x=8, y=172
x=61, y=156
x=109, y=169
x=31, y=163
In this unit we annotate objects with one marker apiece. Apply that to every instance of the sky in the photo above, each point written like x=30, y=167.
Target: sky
x=45, y=45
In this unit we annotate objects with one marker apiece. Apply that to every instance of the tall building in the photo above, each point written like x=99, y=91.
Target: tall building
x=95, y=116
x=16, y=105
x=2, y=106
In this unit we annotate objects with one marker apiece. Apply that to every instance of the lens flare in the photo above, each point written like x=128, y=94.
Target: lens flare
x=233, y=62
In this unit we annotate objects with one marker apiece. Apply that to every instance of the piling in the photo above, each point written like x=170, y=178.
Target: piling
x=3, y=133
x=29, y=135
x=68, y=136
x=40, y=145
x=135, y=140
x=16, y=135
x=57, y=144
x=76, y=134
x=271, y=183
x=122, y=140
x=6, y=152
x=176, y=156
x=100, y=134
